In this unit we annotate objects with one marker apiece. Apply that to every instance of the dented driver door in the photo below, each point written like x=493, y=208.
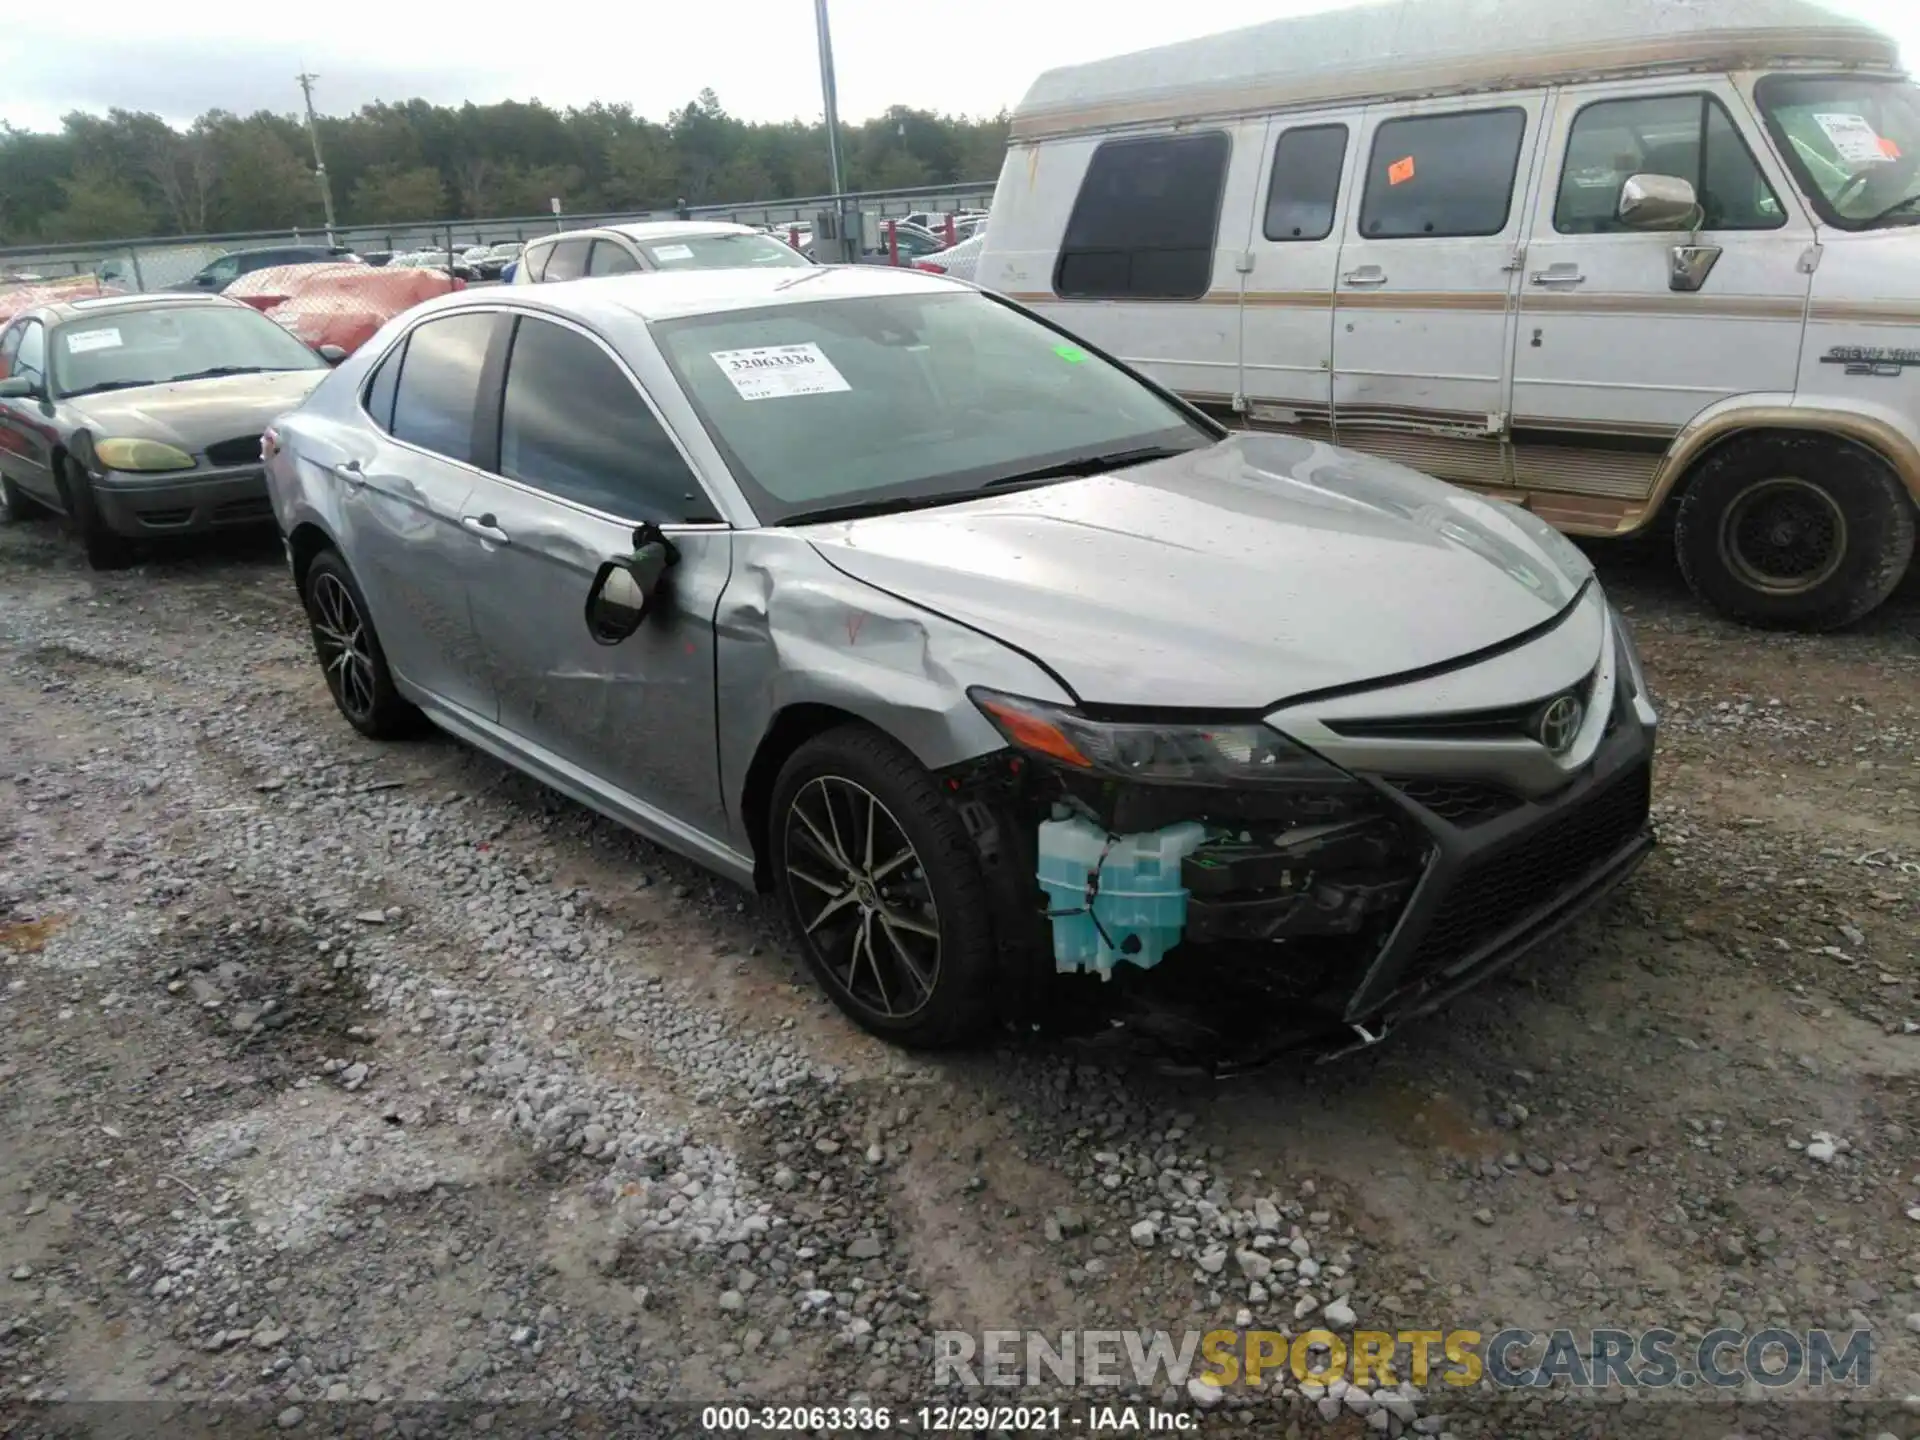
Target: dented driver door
x=583, y=459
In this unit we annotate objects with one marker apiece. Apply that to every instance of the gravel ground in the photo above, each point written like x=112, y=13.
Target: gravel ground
x=343, y=1080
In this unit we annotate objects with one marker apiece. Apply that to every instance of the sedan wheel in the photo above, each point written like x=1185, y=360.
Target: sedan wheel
x=350, y=655
x=883, y=888
x=873, y=918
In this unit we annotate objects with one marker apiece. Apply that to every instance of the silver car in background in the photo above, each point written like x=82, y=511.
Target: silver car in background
x=872, y=589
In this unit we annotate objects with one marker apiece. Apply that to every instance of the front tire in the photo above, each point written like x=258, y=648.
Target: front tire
x=349, y=652
x=883, y=889
x=1794, y=532
x=105, y=550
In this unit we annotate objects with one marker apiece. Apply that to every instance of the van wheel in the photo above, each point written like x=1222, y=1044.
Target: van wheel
x=883, y=889
x=1794, y=532
x=350, y=655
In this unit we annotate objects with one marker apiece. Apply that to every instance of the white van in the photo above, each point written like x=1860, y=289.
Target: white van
x=1613, y=260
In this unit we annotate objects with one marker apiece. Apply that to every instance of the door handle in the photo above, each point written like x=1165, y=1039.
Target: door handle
x=1367, y=275
x=486, y=527
x=350, y=472
x=1558, y=276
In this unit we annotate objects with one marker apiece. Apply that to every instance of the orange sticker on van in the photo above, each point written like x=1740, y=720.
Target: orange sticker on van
x=1888, y=148
x=1400, y=171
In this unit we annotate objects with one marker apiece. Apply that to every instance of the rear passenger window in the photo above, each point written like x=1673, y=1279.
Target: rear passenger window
x=567, y=262
x=1689, y=137
x=1441, y=175
x=610, y=257
x=572, y=424
x=1145, y=219
x=386, y=378
x=1305, y=184
x=433, y=405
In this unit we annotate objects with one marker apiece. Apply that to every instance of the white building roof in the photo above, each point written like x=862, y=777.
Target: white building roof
x=1406, y=48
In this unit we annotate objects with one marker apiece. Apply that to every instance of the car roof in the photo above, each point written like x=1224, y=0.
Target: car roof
x=96, y=305
x=671, y=295
x=651, y=230
x=1406, y=48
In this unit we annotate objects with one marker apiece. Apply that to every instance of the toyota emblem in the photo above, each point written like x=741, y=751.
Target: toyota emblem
x=1559, y=722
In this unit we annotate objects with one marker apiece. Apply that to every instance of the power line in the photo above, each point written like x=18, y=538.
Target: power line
x=319, y=164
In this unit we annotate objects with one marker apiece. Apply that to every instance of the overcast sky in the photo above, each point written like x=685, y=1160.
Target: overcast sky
x=959, y=56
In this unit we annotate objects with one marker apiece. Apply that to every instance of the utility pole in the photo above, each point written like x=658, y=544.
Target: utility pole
x=832, y=99
x=319, y=164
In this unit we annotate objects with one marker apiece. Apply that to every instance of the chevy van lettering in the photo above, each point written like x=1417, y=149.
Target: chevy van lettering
x=1871, y=359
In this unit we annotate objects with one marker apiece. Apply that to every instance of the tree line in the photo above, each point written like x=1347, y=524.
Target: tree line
x=128, y=174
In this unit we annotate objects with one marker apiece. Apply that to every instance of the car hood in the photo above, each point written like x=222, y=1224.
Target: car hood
x=193, y=414
x=1254, y=571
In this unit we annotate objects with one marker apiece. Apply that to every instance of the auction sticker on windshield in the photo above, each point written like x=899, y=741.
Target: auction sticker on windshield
x=79, y=342
x=770, y=372
x=672, y=252
x=1854, y=140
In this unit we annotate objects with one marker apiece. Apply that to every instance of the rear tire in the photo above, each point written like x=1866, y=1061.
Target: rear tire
x=1794, y=532
x=349, y=652
x=105, y=549
x=883, y=889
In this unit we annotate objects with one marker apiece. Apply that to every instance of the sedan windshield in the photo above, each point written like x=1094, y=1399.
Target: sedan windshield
x=720, y=252
x=900, y=400
x=1853, y=141
x=122, y=349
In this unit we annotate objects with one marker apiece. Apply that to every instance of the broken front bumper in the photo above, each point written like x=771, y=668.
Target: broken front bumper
x=1494, y=890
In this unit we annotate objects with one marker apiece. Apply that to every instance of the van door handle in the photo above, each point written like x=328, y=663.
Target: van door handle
x=486, y=527
x=1558, y=275
x=1366, y=275
x=350, y=472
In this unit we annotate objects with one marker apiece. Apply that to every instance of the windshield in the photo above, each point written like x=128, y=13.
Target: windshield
x=719, y=252
x=908, y=398
x=1853, y=142
x=119, y=349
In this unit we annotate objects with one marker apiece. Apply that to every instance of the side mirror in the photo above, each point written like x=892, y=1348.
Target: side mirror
x=624, y=590
x=17, y=387
x=332, y=354
x=1658, y=202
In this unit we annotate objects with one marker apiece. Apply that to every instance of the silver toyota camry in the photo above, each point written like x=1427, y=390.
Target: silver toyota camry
x=1010, y=673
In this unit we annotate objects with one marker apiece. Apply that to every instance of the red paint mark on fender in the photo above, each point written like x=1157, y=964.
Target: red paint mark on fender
x=854, y=622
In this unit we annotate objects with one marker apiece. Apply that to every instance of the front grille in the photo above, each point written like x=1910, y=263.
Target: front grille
x=1465, y=803
x=254, y=507
x=1499, y=891
x=243, y=451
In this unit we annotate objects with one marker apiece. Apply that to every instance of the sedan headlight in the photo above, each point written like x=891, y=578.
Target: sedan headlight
x=1232, y=755
x=140, y=455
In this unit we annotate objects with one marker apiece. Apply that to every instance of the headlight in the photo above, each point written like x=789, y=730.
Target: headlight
x=1229, y=756
x=140, y=455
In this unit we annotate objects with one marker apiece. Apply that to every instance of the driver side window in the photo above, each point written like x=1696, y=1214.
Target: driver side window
x=1688, y=137
x=30, y=360
x=9, y=345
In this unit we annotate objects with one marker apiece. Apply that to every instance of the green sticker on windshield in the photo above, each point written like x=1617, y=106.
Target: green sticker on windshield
x=1072, y=354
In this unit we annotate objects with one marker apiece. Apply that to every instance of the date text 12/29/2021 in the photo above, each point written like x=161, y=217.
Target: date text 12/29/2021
x=946, y=1419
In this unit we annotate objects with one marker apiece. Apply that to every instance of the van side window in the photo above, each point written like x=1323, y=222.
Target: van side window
x=1305, y=184
x=1689, y=137
x=1145, y=219
x=1440, y=175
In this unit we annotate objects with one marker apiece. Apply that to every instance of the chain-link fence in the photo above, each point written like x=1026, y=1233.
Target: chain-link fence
x=455, y=245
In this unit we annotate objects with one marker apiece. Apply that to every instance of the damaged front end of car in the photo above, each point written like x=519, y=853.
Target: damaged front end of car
x=1225, y=892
